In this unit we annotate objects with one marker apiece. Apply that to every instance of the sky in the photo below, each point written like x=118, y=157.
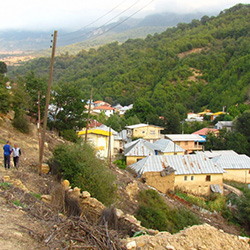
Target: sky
x=75, y=14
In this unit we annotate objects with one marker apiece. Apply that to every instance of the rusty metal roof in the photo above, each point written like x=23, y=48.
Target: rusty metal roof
x=183, y=164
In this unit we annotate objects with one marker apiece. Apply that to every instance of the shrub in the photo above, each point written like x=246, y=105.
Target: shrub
x=21, y=122
x=69, y=135
x=120, y=163
x=154, y=213
x=78, y=164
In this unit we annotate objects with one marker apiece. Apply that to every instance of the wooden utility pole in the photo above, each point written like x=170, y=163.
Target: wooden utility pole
x=87, y=125
x=45, y=117
x=39, y=120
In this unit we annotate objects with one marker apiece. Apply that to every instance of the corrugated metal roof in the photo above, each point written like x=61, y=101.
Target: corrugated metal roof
x=165, y=145
x=139, y=147
x=183, y=164
x=216, y=188
x=232, y=161
x=214, y=153
x=185, y=137
x=141, y=125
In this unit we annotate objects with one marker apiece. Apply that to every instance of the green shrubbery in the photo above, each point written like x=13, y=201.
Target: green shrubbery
x=154, y=213
x=21, y=122
x=120, y=163
x=215, y=202
x=78, y=164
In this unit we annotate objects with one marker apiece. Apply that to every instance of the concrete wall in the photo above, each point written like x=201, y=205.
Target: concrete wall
x=100, y=142
x=189, y=146
x=240, y=175
x=198, y=185
x=133, y=159
x=163, y=184
x=148, y=133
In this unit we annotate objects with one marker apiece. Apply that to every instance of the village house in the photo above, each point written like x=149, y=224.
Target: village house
x=194, y=174
x=107, y=109
x=236, y=167
x=205, y=131
x=148, y=132
x=228, y=125
x=189, y=142
x=213, y=153
x=100, y=103
x=139, y=149
x=100, y=139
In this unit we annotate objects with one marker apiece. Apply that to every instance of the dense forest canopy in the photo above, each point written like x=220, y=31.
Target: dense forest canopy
x=203, y=64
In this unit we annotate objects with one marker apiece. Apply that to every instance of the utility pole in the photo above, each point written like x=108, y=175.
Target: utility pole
x=87, y=125
x=45, y=117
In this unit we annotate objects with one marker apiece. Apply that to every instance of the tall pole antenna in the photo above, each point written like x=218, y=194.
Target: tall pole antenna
x=45, y=117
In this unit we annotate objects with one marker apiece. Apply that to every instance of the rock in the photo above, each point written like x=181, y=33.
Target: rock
x=46, y=198
x=65, y=184
x=45, y=168
x=131, y=245
x=6, y=178
x=119, y=213
x=76, y=192
x=85, y=194
x=169, y=247
x=132, y=190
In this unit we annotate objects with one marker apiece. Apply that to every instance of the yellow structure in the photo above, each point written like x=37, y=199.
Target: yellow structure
x=236, y=167
x=194, y=174
x=239, y=175
x=148, y=132
x=100, y=140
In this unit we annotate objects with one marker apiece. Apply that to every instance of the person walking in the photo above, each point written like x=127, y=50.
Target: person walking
x=16, y=154
x=7, y=152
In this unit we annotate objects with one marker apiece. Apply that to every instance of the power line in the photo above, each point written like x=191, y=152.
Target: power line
x=131, y=6
x=96, y=20
x=121, y=21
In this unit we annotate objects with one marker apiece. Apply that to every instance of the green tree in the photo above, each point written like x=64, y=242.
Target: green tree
x=242, y=124
x=3, y=68
x=4, y=96
x=142, y=109
x=67, y=112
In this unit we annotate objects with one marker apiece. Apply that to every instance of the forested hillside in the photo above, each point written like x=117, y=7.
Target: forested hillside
x=203, y=64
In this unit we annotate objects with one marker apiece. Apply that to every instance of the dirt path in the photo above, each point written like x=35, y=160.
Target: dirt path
x=16, y=226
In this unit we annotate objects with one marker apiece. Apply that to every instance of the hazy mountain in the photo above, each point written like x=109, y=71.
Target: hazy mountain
x=18, y=40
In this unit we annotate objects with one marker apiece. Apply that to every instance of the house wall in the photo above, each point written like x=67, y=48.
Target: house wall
x=148, y=133
x=100, y=143
x=133, y=159
x=163, y=184
x=239, y=175
x=189, y=146
x=198, y=185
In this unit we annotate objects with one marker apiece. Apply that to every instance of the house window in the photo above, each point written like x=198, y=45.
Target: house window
x=185, y=178
x=152, y=132
x=186, y=143
x=178, y=143
x=192, y=178
x=208, y=178
x=143, y=132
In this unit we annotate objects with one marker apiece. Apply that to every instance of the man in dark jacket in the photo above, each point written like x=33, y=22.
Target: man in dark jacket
x=7, y=152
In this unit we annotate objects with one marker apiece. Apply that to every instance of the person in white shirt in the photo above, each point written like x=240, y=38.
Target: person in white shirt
x=16, y=154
